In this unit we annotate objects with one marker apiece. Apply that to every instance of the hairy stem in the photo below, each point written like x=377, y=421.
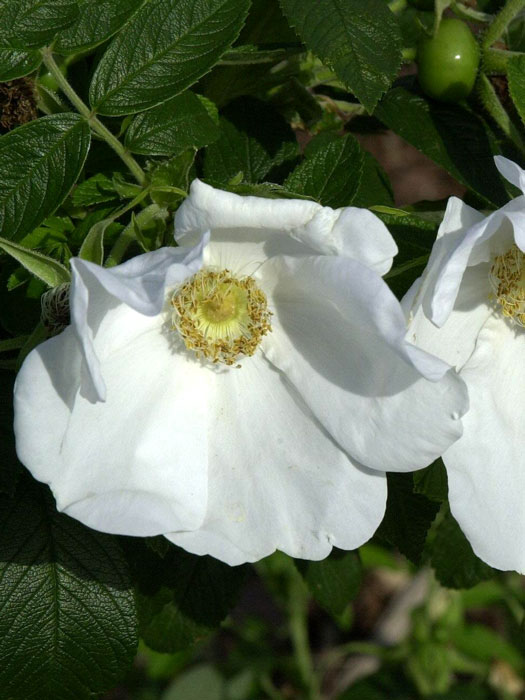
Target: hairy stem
x=96, y=125
x=298, y=616
x=501, y=21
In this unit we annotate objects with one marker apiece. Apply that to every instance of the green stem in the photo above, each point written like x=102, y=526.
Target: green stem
x=298, y=617
x=495, y=60
x=492, y=104
x=501, y=21
x=130, y=205
x=96, y=125
x=468, y=13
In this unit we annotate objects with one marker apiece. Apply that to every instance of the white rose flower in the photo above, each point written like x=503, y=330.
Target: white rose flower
x=469, y=308
x=241, y=393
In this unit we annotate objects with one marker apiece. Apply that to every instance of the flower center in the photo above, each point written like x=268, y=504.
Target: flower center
x=219, y=316
x=507, y=277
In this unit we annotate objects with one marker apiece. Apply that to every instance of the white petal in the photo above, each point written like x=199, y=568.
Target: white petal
x=486, y=467
x=511, y=171
x=267, y=227
x=454, y=342
x=135, y=464
x=140, y=283
x=337, y=323
x=472, y=246
x=277, y=481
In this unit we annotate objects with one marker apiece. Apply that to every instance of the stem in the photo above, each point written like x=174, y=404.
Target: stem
x=468, y=13
x=492, y=104
x=298, y=613
x=95, y=124
x=130, y=205
x=495, y=60
x=501, y=21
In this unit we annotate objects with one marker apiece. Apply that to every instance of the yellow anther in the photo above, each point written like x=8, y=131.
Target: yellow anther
x=220, y=317
x=507, y=277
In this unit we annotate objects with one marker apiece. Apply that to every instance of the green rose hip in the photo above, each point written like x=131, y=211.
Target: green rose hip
x=448, y=62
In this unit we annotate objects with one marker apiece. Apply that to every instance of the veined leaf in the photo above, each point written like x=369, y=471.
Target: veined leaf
x=96, y=22
x=16, y=64
x=39, y=163
x=68, y=626
x=359, y=39
x=26, y=24
x=330, y=172
x=172, y=127
x=167, y=46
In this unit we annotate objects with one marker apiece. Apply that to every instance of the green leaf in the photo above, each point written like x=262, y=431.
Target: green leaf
x=41, y=266
x=432, y=482
x=94, y=190
x=408, y=517
x=330, y=172
x=334, y=581
x=68, y=626
x=166, y=47
x=92, y=247
x=516, y=78
x=39, y=163
x=26, y=24
x=181, y=597
x=453, y=560
x=450, y=135
x=171, y=179
x=249, y=146
x=96, y=22
x=358, y=39
x=374, y=186
x=16, y=64
x=172, y=127
x=9, y=464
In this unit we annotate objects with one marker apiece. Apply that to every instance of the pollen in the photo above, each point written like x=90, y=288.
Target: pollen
x=219, y=316
x=507, y=278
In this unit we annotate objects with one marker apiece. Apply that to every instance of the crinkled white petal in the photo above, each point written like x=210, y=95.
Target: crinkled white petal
x=471, y=246
x=140, y=283
x=267, y=227
x=135, y=464
x=486, y=467
x=277, y=480
x=338, y=335
x=455, y=341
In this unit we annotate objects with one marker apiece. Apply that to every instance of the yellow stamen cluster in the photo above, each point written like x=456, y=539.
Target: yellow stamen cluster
x=220, y=317
x=507, y=277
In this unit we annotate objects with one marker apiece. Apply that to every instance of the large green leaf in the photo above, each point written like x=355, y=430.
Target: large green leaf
x=172, y=127
x=450, y=135
x=167, y=46
x=67, y=623
x=39, y=163
x=330, y=172
x=453, y=560
x=334, y=581
x=15, y=63
x=181, y=597
x=255, y=139
x=26, y=24
x=408, y=517
x=359, y=39
x=96, y=22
